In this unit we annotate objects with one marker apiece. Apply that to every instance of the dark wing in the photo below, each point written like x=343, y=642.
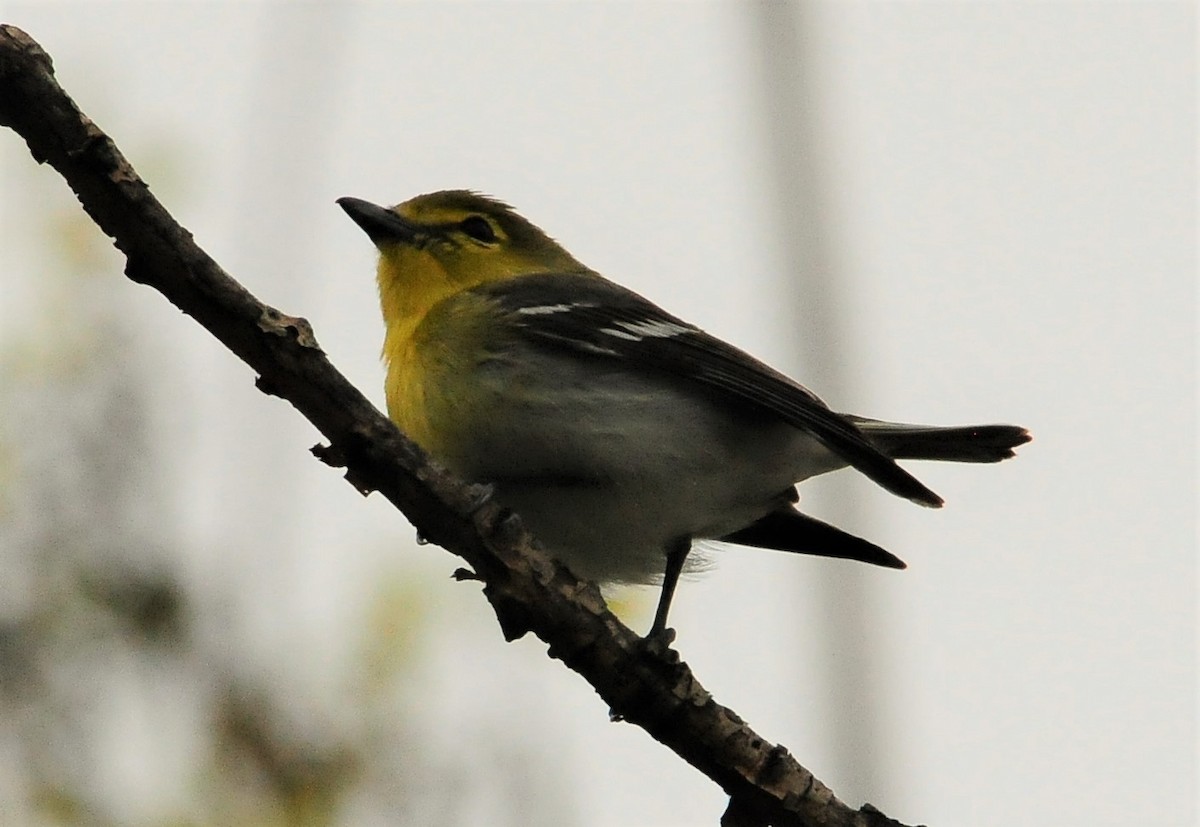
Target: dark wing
x=588, y=314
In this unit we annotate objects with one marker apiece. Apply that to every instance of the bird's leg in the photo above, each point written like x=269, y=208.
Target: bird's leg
x=676, y=555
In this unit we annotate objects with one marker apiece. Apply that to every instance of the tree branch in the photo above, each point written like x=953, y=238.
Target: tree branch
x=529, y=592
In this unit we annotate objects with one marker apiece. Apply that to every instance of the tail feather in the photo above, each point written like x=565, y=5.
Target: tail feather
x=788, y=530
x=961, y=443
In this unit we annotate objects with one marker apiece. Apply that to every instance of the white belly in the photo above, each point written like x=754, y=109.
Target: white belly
x=609, y=470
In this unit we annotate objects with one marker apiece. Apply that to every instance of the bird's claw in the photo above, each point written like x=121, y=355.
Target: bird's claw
x=658, y=642
x=478, y=495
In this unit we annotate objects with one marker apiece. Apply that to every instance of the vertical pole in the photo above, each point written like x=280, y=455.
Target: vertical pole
x=785, y=37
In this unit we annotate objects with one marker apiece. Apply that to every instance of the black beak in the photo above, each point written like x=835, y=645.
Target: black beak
x=379, y=223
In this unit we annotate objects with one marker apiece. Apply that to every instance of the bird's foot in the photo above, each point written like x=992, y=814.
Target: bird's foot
x=658, y=642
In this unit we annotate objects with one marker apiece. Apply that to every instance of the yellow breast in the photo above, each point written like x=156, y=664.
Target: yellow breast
x=406, y=390
x=433, y=392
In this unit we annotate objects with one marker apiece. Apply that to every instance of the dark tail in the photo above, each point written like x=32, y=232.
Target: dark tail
x=964, y=443
x=789, y=530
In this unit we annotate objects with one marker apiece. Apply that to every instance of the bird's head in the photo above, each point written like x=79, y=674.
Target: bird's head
x=453, y=240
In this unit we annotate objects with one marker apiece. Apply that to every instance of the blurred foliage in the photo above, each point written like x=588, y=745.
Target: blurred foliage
x=115, y=708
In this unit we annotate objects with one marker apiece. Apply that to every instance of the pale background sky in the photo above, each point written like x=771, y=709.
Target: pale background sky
x=998, y=201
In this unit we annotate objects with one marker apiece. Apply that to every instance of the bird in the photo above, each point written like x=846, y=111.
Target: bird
x=620, y=434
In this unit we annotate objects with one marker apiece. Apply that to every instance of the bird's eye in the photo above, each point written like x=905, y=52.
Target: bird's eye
x=478, y=228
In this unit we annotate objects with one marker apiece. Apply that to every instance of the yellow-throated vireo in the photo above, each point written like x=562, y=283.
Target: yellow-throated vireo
x=619, y=433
